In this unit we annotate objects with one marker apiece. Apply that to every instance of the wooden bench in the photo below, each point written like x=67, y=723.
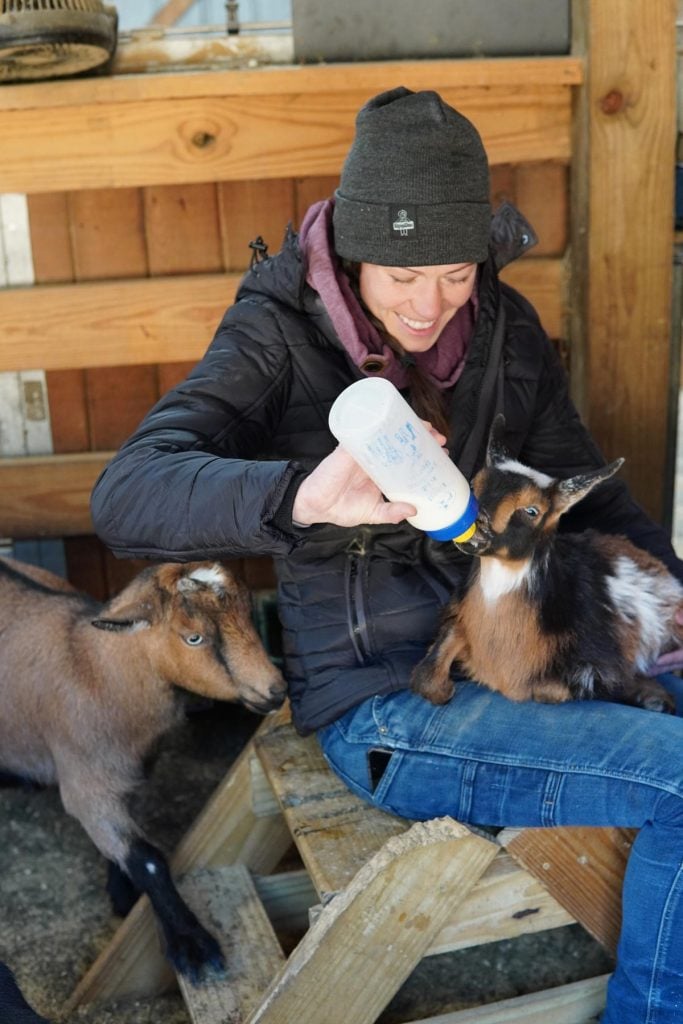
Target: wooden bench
x=380, y=894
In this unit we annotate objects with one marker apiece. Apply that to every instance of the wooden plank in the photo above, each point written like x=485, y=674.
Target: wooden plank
x=311, y=189
x=48, y=496
x=367, y=76
x=542, y=281
x=368, y=939
x=336, y=833
x=50, y=239
x=542, y=195
x=107, y=234
x=170, y=12
x=622, y=235
x=577, y=1003
x=229, y=830
x=252, y=208
x=226, y=901
x=158, y=320
x=583, y=868
x=182, y=229
x=506, y=901
x=218, y=137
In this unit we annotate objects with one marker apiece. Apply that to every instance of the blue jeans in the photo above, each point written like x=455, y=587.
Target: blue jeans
x=486, y=760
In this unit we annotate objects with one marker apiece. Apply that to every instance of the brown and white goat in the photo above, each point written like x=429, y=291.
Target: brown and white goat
x=548, y=616
x=86, y=689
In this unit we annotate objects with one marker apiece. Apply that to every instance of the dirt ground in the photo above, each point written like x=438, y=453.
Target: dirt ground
x=56, y=917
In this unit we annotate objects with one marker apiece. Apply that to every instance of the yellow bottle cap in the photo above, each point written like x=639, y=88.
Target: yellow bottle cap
x=469, y=532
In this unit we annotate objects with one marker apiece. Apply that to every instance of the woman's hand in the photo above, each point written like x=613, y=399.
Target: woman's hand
x=338, y=491
x=672, y=660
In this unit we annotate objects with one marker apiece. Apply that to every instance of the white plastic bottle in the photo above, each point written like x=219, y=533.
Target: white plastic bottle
x=378, y=428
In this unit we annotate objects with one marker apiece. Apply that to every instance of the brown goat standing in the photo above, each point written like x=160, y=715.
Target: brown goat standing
x=86, y=689
x=549, y=616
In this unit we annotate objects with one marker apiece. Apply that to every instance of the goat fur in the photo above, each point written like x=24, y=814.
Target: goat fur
x=87, y=689
x=549, y=616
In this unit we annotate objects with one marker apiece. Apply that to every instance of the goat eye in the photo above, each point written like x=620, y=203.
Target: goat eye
x=531, y=511
x=194, y=639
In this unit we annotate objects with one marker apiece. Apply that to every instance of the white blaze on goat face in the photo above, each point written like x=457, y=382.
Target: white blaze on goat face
x=212, y=575
x=648, y=601
x=498, y=578
x=512, y=466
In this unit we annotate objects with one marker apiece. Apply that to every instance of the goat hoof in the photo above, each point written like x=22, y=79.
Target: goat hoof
x=663, y=703
x=195, y=953
x=434, y=690
x=650, y=695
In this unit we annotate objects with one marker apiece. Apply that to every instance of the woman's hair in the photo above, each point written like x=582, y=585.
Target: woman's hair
x=425, y=397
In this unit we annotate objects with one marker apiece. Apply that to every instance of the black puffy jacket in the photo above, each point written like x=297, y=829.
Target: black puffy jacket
x=212, y=471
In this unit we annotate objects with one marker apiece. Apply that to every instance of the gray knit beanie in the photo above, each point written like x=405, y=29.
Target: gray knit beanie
x=414, y=189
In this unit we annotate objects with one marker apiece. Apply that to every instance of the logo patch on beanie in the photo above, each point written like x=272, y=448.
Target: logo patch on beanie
x=403, y=221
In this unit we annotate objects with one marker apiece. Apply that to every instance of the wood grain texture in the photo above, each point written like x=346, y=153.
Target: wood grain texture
x=226, y=901
x=249, y=209
x=155, y=320
x=580, y=1002
x=582, y=867
x=47, y=496
x=622, y=235
x=217, y=137
x=369, y=77
x=368, y=939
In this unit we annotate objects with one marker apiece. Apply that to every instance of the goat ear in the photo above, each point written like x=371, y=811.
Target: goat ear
x=568, y=492
x=127, y=612
x=496, y=451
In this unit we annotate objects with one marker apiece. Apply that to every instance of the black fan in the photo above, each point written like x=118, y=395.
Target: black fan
x=54, y=38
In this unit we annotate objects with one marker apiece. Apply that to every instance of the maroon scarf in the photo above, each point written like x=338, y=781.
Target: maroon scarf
x=442, y=363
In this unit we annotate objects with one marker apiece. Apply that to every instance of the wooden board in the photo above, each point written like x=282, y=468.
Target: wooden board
x=582, y=867
x=48, y=496
x=271, y=123
x=369, y=938
x=226, y=901
x=577, y=1003
x=168, y=319
x=622, y=235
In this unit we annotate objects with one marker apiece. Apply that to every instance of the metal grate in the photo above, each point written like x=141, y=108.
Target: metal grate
x=26, y=6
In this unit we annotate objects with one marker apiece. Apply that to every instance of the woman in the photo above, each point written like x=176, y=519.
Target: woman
x=397, y=276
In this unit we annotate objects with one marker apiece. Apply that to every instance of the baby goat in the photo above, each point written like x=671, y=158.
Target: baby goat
x=548, y=616
x=86, y=689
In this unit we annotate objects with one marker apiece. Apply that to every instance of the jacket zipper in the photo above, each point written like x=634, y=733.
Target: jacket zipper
x=357, y=623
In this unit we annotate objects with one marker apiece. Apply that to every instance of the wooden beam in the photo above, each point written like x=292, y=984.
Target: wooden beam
x=583, y=868
x=368, y=939
x=222, y=132
x=168, y=319
x=170, y=12
x=622, y=234
x=226, y=900
x=580, y=1002
x=299, y=79
x=48, y=495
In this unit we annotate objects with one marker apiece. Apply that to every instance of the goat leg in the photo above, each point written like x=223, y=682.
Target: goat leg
x=189, y=946
x=123, y=895
x=101, y=810
x=431, y=677
x=645, y=692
